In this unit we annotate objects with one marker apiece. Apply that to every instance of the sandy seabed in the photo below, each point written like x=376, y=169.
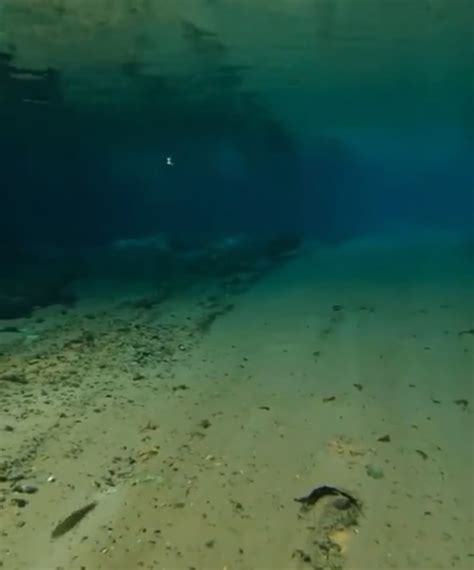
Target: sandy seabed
x=194, y=422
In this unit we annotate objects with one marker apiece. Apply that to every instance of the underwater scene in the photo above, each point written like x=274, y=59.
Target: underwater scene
x=236, y=284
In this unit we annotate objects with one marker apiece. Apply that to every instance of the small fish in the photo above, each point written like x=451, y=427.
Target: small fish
x=323, y=491
x=462, y=402
x=468, y=331
x=329, y=399
x=422, y=454
x=72, y=520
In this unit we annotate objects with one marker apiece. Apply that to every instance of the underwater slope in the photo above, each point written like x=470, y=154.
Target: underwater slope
x=349, y=367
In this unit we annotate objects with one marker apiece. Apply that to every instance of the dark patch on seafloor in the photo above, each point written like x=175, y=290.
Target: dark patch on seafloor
x=37, y=282
x=329, y=516
x=41, y=279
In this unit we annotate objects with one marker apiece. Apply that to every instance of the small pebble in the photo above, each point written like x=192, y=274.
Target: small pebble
x=18, y=476
x=374, y=471
x=385, y=438
x=25, y=488
x=19, y=502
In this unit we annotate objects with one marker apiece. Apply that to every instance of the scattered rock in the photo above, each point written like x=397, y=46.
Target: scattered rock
x=466, y=332
x=180, y=387
x=26, y=488
x=19, y=502
x=16, y=476
x=384, y=438
x=374, y=471
x=422, y=454
x=9, y=329
x=14, y=377
x=329, y=399
x=462, y=402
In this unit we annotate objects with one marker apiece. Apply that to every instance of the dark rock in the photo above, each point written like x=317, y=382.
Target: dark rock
x=14, y=377
x=9, y=329
x=384, y=438
x=25, y=488
x=16, y=476
x=19, y=502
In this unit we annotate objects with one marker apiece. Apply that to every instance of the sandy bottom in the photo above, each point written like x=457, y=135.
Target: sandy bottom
x=195, y=422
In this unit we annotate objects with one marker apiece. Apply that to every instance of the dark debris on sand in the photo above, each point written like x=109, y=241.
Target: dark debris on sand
x=330, y=516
